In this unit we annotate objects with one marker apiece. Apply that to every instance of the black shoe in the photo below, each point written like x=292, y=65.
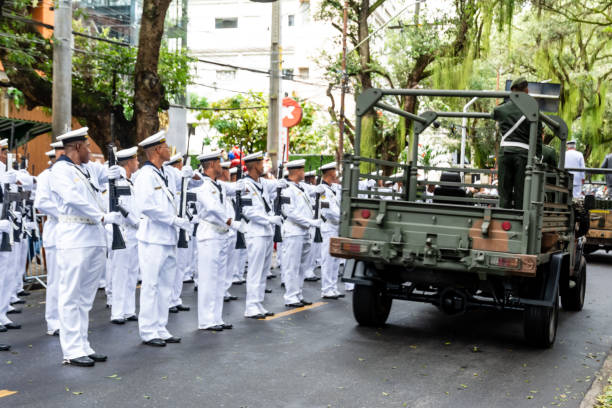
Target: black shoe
x=82, y=362
x=188, y=281
x=232, y=297
x=56, y=332
x=12, y=326
x=341, y=295
x=226, y=299
x=14, y=311
x=118, y=321
x=98, y=358
x=132, y=318
x=269, y=314
x=155, y=343
x=312, y=279
x=217, y=328
x=305, y=302
x=18, y=302
x=173, y=340
x=297, y=304
x=227, y=326
x=195, y=288
x=283, y=285
x=271, y=276
x=108, y=306
x=5, y=347
x=239, y=282
x=3, y=329
x=173, y=309
x=268, y=290
x=330, y=297
x=182, y=308
x=257, y=316
x=23, y=293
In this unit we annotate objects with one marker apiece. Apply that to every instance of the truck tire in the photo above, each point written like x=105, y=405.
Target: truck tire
x=573, y=298
x=371, y=306
x=540, y=324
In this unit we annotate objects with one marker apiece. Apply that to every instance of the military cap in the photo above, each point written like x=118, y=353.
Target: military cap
x=233, y=170
x=4, y=144
x=50, y=153
x=153, y=140
x=226, y=164
x=328, y=166
x=571, y=142
x=296, y=164
x=216, y=155
x=518, y=82
x=311, y=173
x=77, y=135
x=126, y=154
x=175, y=159
x=57, y=145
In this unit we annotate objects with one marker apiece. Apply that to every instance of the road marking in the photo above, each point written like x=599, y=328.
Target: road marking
x=6, y=393
x=293, y=311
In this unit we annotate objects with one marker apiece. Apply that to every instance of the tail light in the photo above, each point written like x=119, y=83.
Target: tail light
x=354, y=248
x=365, y=213
x=506, y=226
x=505, y=262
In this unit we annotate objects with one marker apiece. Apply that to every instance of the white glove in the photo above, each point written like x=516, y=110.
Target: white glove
x=282, y=183
x=187, y=172
x=370, y=183
x=113, y=218
x=5, y=226
x=194, y=220
x=182, y=223
x=114, y=172
x=30, y=225
x=239, y=226
x=9, y=177
x=320, y=189
x=275, y=220
x=315, y=223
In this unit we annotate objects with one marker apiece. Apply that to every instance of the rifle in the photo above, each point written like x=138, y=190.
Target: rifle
x=192, y=210
x=240, y=202
x=318, y=237
x=8, y=198
x=114, y=192
x=279, y=200
x=183, y=240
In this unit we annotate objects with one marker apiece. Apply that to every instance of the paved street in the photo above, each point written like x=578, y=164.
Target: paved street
x=318, y=358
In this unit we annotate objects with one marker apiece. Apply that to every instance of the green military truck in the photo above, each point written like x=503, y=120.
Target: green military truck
x=455, y=251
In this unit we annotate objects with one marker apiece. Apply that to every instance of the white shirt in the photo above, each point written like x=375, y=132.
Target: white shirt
x=575, y=159
x=298, y=211
x=259, y=192
x=212, y=210
x=155, y=207
x=332, y=212
x=47, y=203
x=77, y=197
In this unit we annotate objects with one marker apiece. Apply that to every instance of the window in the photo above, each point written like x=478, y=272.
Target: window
x=304, y=72
x=226, y=22
x=290, y=20
x=226, y=75
x=288, y=73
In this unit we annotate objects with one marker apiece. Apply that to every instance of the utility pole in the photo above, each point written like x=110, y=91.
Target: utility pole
x=275, y=77
x=343, y=84
x=62, y=68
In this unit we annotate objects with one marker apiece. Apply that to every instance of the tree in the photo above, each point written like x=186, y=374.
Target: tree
x=107, y=78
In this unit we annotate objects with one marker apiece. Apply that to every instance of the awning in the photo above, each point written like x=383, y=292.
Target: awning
x=21, y=131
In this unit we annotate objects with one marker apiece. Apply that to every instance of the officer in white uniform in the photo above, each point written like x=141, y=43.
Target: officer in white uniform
x=575, y=159
x=315, y=251
x=237, y=261
x=330, y=214
x=232, y=252
x=81, y=245
x=260, y=232
x=157, y=238
x=213, y=241
x=46, y=203
x=296, y=234
x=124, y=262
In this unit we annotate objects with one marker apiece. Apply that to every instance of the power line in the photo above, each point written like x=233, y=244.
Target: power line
x=219, y=109
x=219, y=88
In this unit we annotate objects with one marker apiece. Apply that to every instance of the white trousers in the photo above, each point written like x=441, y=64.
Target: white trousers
x=241, y=256
x=231, y=261
x=329, y=267
x=124, y=278
x=6, y=282
x=577, y=191
x=296, y=252
x=183, y=263
x=108, y=272
x=212, y=267
x=310, y=261
x=158, y=268
x=80, y=270
x=260, y=256
x=52, y=292
x=19, y=256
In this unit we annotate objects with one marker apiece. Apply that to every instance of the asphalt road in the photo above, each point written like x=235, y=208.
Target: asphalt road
x=318, y=358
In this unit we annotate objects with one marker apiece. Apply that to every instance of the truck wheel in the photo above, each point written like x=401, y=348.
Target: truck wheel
x=371, y=306
x=540, y=324
x=573, y=299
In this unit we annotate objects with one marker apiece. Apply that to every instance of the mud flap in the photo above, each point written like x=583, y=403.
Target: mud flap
x=552, y=283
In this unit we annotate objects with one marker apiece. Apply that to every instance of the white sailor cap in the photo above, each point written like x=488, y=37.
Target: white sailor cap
x=296, y=164
x=126, y=154
x=50, y=153
x=233, y=170
x=76, y=135
x=154, y=140
x=311, y=173
x=571, y=142
x=57, y=145
x=4, y=144
x=226, y=164
x=216, y=155
x=328, y=166
x=175, y=159
x=398, y=176
x=253, y=156
x=376, y=173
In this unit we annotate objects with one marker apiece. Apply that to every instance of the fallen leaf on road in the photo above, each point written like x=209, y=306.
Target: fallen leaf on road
x=112, y=376
x=385, y=393
x=146, y=397
x=77, y=392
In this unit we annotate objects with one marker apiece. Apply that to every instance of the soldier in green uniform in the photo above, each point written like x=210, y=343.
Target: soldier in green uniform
x=514, y=148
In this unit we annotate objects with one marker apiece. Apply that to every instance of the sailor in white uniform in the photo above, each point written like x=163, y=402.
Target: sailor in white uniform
x=232, y=252
x=157, y=238
x=575, y=159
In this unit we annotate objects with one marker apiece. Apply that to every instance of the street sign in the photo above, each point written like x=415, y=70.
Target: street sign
x=292, y=113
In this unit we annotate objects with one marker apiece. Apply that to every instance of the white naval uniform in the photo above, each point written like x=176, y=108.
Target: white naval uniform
x=329, y=229
x=157, y=238
x=213, y=241
x=124, y=275
x=6, y=276
x=182, y=254
x=296, y=239
x=229, y=191
x=46, y=203
x=259, y=241
x=81, y=247
x=575, y=159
